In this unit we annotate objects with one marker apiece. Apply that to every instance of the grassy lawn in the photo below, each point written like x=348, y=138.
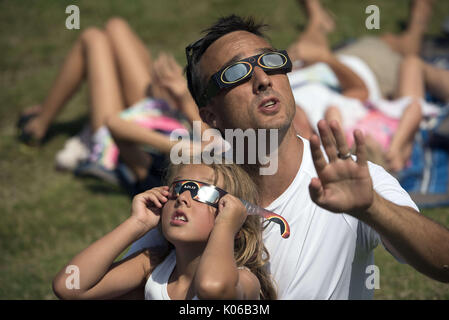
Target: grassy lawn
x=48, y=216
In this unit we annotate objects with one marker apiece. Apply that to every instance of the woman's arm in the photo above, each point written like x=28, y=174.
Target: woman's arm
x=168, y=75
x=98, y=277
x=128, y=131
x=410, y=84
x=351, y=84
x=217, y=276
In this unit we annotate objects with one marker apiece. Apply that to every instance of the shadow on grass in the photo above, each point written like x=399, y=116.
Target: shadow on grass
x=68, y=128
x=98, y=187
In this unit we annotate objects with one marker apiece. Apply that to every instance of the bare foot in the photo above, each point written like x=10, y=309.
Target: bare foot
x=319, y=15
x=34, y=127
x=397, y=159
x=374, y=150
x=326, y=21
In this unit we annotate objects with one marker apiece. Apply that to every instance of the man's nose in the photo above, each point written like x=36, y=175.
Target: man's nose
x=261, y=80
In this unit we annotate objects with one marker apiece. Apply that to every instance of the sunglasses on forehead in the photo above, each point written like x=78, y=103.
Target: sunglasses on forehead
x=238, y=72
x=211, y=195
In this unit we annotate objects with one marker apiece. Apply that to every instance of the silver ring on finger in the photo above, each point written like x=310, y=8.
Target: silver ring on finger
x=344, y=156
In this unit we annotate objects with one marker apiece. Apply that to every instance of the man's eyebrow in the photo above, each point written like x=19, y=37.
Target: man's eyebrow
x=239, y=56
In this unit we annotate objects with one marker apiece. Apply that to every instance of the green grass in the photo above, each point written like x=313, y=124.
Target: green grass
x=400, y=281
x=48, y=216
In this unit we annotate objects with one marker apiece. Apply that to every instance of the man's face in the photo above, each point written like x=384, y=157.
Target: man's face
x=262, y=102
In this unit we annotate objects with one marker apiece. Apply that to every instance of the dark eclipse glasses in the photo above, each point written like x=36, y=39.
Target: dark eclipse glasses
x=211, y=195
x=199, y=191
x=234, y=74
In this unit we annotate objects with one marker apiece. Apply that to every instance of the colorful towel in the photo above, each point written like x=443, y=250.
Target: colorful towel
x=149, y=113
x=427, y=177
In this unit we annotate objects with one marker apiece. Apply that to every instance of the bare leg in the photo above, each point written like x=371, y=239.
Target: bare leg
x=317, y=15
x=411, y=84
x=137, y=72
x=67, y=81
x=105, y=90
x=414, y=76
x=92, y=56
x=319, y=24
x=132, y=58
x=134, y=65
x=332, y=113
x=409, y=42
x=437, y=81
x=374, y=150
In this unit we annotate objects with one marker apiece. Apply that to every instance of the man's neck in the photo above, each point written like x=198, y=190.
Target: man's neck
x=289, y=161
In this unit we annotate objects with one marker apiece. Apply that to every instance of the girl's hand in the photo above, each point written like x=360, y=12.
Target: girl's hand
x=231, y=212
x=146, y=207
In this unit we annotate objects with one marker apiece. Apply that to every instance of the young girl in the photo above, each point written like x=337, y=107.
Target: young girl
x=215, y=252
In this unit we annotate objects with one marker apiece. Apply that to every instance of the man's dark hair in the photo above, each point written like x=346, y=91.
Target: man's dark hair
x=195, y=50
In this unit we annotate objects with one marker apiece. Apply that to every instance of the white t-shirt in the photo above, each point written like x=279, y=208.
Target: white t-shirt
x=320, y=72
x=327, y=254
x=314, y=90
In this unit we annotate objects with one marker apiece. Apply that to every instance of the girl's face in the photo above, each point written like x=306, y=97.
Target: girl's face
x=184, y=219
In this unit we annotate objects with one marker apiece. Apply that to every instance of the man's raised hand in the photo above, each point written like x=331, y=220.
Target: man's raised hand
x=343, y=185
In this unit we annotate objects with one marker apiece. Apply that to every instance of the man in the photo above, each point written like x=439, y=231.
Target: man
x=338, y=209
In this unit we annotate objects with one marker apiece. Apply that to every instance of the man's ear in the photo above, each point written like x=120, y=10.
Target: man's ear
x=208, y=116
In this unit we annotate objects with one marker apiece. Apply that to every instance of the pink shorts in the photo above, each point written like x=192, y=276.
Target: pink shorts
x=377, y=125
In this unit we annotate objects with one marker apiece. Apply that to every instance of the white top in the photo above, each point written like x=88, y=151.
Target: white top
x=327, y=254
x=314, y=91
x=156, y=286
x=321, y=73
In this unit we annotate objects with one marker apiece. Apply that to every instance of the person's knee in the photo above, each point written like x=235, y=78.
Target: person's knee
x=115, y=25
x=93, y=35
x=331, y=112
x=110, y=122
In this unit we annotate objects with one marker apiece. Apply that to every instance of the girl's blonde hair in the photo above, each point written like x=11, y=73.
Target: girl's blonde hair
x=249, y=249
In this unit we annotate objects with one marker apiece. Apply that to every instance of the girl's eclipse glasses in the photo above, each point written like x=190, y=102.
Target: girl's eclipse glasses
x=211, y=195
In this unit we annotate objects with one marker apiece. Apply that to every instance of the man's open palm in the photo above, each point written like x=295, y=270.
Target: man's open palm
x=343, y=184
